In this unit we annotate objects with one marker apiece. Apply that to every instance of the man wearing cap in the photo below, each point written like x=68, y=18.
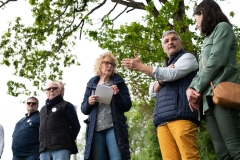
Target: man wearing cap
x=25, y=142
x=59, y=125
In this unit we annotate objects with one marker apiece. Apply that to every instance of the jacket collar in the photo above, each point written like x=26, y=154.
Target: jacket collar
x=174, y=58
x=116, y=78
x=32, y=113
x=52, y=102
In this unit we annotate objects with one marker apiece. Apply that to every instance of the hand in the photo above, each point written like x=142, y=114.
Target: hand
x=194, y=98
x=157, y=87
x=171, y=66
x=115, y=89
x=132, y=64
x=92, y=99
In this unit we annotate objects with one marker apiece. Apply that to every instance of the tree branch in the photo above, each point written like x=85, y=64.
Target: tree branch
x=97, y=7
x=137, y=5
x=112, y=9
x=109, y=12
x=155, y=11
x=81, y=24
x=120, y=14
x=83, y=6
x=4, y=3
x=65, y=34
x=59, y=16
x=130, y=10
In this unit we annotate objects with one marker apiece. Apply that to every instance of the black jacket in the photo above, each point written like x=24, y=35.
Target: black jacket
x=57, y=131
x=120, y=103
x=25, y=140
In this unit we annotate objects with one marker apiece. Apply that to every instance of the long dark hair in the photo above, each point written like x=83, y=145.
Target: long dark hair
x=212, y=16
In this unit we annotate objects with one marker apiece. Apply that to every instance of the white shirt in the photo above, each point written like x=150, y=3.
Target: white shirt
x=1, y=140
x=186, y=64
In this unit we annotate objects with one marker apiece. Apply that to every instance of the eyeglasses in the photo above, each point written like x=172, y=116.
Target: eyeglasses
x=33, y=103
x=51, y=88
x=107, y=63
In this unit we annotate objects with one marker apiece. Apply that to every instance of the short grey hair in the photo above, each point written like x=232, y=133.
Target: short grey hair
x=169, y=32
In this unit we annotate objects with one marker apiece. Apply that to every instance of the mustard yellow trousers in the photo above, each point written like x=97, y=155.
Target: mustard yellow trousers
x=178, y=140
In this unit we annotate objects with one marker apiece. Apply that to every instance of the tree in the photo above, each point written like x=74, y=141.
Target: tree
x=142, y=135
x=40, y=51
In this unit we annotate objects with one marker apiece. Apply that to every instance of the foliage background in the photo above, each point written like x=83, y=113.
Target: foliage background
x=42, y=49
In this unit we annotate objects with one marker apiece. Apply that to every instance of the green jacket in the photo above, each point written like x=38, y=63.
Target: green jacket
x=220, y=62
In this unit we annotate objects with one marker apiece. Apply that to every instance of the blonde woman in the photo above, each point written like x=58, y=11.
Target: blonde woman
x=107, y=134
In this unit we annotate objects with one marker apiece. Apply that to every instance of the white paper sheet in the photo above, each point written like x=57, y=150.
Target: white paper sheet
x=104, y=93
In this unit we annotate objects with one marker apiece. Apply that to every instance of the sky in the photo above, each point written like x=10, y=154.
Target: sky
x=75, y=77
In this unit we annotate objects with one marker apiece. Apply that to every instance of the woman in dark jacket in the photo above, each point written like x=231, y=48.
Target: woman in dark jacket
x=106, y=133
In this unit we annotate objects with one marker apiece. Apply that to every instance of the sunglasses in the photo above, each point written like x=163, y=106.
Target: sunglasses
x=33, y=103
x=51, y=88
x=107, y=63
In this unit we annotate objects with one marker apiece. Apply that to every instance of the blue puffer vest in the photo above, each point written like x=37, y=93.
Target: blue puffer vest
x=172, y=103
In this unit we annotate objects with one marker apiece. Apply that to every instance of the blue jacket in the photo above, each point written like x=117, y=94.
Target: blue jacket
x=120, y=103
x=171, y=103
x=25, y=140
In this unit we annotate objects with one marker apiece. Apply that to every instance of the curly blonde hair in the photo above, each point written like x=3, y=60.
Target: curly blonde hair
x=99, y=61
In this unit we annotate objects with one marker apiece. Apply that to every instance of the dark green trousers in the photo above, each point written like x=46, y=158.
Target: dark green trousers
x=224, y=127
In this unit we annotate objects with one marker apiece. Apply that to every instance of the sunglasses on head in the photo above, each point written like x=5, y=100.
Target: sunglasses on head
x=33, y=103
x=51, y=88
